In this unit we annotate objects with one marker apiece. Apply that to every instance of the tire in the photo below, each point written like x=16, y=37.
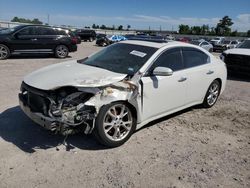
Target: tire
x=4, y=52
x=212, y=94
x=104, y=44
x=61, y=51
x=111, y=129
x=91, y=39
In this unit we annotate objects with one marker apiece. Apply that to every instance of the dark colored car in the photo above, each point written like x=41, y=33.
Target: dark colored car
x=30, y=39
x=78, y=38
x=102, y=40
x=105, y=40
x=86, y=34
x=238, y=59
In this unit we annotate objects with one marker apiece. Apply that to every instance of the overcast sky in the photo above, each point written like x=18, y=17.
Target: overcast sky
x=140, y=14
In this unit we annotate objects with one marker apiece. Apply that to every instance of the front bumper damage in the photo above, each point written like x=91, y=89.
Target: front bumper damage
x=43, y=108
x=75, y=111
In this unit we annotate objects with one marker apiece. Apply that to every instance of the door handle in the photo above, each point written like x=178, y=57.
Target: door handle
x=210, y=72
x=33, y=39
x=182, y=79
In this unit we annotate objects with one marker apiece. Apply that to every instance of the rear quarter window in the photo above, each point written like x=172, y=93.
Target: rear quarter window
x=193, y=57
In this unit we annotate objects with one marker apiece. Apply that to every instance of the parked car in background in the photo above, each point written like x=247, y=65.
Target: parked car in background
x=105, y=40
x=152, y=38
x=238, y=59
x=102, y=40
x=30, y=39
x=184, y=39
x=217, y=40
x=122, y=88
x=170, y=37
x=86, y=34
x=204, y=44
x=226, y=44
x=78, y=38
x=233, y=44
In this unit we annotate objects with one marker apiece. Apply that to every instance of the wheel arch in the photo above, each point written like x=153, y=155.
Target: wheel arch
x=220, y=81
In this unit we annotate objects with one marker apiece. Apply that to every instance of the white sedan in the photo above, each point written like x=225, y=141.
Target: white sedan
x=122, y=88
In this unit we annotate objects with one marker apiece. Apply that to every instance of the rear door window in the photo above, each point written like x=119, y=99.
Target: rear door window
x=45, y=31
x=193, y=57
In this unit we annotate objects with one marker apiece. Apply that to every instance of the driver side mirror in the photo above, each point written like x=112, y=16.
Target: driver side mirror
x=162, y=71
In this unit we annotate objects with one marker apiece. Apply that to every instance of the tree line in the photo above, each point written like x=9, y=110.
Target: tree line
x=23, y=20
x=120, y=27
x=223, y=28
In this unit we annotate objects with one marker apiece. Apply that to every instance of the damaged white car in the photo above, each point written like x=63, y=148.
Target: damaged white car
x=121, y=88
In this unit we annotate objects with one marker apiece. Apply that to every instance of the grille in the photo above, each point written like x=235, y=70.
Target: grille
x=36, y=99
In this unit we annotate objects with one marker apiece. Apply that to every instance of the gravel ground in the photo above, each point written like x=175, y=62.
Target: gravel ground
x=194, y=148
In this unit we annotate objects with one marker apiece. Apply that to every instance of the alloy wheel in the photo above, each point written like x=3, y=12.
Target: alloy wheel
x=117, y=122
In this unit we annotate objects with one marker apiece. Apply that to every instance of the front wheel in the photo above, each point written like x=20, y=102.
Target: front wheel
x=114, y=124
x=212, y=94
x=61, y=51
x=91, y=39
x=4, y=52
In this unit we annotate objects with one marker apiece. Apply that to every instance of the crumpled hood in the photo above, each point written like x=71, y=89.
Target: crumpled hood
x=238, y=51
x=71, y=73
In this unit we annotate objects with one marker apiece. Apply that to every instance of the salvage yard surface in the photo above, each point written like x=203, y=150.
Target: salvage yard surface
x=194, y=148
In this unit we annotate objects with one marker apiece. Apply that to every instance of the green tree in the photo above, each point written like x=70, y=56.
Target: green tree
x=36, y=21
x=223, y=27
x=23, y=20
x=234, y=33
x=184, y=29
x=204, y=29
x=248, y=33
x=103, y=27
x=128, y=27
x=196, y=30
x=120, y=27
x=94, y=26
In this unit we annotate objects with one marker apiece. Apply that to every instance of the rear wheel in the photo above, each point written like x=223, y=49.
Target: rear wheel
x=91, y=39
x=212, y=94
x=4, y=52
x=61, y=51
x=114, y=124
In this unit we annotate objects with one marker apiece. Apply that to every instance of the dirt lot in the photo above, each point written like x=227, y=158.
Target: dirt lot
x=193, y=148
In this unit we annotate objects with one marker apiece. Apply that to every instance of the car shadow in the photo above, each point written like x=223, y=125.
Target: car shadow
x=168, y=117
x=35, y=56
x=17, y=128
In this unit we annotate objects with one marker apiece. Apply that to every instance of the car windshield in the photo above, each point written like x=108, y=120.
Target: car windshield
x=195, y=42
x=10, y=30
x=121, y=58
x=245, y=44
x=216, y=39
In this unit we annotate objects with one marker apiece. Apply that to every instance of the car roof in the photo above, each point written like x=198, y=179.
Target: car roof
x=157, y=44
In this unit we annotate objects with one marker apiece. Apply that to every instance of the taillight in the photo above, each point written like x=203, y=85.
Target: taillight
x=74, y=40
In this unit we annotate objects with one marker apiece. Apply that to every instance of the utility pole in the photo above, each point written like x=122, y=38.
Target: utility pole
x=48, y=19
